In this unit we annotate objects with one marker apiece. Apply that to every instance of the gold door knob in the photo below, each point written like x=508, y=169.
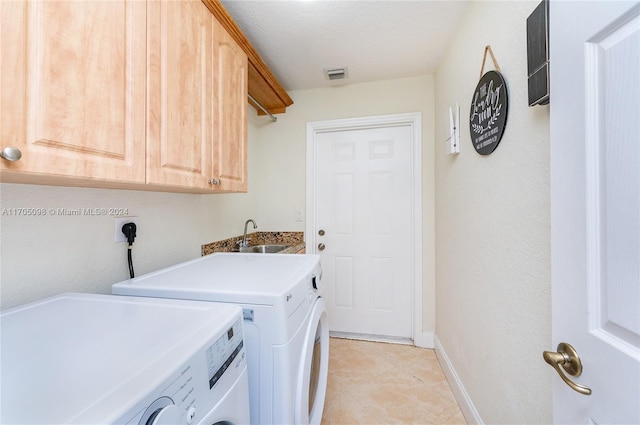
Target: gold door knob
x=568, y=358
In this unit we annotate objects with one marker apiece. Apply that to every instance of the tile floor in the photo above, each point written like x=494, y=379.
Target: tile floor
x=379, y=383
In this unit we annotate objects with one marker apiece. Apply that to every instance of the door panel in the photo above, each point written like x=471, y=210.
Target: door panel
x=613, y=180
x=595, y=197
x=342, y=282
x=364, y=204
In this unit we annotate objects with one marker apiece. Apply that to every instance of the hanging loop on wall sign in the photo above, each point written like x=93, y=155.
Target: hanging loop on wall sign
x=484, y=59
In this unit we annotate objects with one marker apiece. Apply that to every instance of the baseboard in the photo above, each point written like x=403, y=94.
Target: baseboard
x=424, y=339
x=459, y=392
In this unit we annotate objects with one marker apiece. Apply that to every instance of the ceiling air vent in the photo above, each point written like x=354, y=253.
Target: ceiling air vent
x=336, y=73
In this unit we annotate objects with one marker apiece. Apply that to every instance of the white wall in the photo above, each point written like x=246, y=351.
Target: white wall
x=282, y=153
x=43, y=256
x=493, y=228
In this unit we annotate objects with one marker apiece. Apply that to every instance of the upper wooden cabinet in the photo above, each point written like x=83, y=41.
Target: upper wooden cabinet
x=90, y=101
x=73, y=89
x=197, y=100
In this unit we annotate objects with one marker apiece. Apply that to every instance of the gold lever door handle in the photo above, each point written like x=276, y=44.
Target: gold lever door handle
x=568, y=358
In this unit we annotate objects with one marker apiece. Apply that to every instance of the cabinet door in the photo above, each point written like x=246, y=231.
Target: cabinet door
x=180, y=100
x=72, y=78
x=230, y=125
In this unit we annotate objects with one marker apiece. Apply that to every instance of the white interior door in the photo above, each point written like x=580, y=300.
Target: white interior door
x=364, y=228
x=595, y=198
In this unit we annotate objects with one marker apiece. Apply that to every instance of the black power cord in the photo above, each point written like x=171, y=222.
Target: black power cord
x=129, y=230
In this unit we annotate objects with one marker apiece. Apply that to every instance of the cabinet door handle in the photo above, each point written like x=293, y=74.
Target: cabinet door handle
x=215, y=182
x=321, y=247
x=11, y=154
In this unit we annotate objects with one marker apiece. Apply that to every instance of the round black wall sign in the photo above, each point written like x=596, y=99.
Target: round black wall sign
x=488, y=115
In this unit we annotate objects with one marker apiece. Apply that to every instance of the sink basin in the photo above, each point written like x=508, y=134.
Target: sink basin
x=269, y=248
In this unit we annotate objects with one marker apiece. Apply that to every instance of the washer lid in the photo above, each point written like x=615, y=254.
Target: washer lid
x=227, y=277
x=81, y=358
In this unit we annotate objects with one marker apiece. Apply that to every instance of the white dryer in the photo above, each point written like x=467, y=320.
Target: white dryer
x=285, y=322
x=103, y=359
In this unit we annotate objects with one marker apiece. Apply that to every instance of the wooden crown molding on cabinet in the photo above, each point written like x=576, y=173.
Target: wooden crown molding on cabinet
x=263, y=85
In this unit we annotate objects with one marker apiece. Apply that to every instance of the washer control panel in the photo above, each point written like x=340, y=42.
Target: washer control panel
x=197, y=386
x=223, y=352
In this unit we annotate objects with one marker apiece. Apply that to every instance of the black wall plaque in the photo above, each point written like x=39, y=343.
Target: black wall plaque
x=538, y=55
x=488, y=112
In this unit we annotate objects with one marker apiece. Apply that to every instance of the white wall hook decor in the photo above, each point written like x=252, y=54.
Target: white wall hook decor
x=454, y=130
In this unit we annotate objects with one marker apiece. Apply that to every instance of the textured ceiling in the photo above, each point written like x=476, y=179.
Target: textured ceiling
x=375, y=40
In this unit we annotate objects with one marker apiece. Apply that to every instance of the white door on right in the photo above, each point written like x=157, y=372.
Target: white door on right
x=595, y=206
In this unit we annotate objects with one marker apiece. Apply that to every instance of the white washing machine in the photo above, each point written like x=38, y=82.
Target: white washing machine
x=103, y=359
x=285, y=322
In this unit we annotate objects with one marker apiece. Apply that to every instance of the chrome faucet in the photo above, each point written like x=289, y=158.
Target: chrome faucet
x=244, y=242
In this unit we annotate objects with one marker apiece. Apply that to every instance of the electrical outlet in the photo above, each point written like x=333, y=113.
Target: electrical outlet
x=121, y=221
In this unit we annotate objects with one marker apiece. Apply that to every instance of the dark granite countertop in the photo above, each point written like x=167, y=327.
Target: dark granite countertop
x=294, y=239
